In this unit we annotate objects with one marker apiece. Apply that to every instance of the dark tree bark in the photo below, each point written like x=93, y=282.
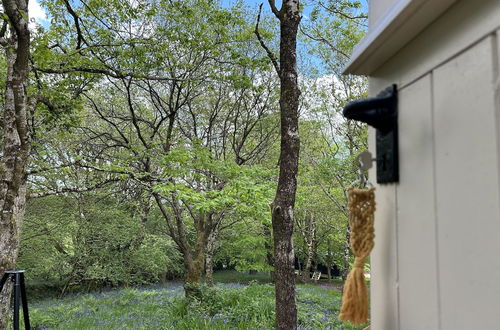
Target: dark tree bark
x=193, y=256
x=16, y=140
x=284, y=201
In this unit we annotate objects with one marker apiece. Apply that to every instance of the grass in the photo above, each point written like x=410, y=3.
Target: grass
x=239, y=301
x=233, y=276
x=227, y=306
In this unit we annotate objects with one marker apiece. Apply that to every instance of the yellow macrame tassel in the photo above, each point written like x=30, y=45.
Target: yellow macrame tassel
x=361, y=217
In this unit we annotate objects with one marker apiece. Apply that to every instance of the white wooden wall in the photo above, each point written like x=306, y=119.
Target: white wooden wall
x=436, y=261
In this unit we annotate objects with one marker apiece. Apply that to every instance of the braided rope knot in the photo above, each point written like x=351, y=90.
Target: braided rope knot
x=361, y=217
x=359, y=263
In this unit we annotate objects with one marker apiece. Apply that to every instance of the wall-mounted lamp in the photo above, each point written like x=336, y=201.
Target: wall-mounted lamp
x=381, y=112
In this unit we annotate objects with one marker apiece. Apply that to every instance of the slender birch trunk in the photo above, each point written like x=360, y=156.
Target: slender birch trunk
x=347, y=254
x=309, y=234
x=209, y=256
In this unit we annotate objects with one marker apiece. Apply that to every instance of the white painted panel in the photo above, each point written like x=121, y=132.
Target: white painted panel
x=383, y=259
x=378, y=9
x=417, y=264
x=497, y=98
x=463, y=24
x=398, y=25
x=467, y=190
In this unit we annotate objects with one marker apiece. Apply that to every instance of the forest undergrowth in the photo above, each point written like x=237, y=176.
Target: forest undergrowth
x=226, y=306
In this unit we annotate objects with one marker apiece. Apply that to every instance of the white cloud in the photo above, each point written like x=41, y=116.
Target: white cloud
x=36, y=11
x=38, y=16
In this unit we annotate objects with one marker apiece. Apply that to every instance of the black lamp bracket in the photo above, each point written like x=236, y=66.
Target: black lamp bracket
x=381, y=112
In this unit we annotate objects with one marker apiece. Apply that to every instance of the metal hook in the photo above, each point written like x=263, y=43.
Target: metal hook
x=364, y=160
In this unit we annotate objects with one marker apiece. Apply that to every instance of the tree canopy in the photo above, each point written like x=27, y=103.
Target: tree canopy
x=146, y=140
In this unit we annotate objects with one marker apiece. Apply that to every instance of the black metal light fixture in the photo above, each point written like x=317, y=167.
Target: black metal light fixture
x=381, y=112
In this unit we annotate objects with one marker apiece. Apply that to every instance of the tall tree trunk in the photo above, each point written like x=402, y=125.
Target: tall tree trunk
x=16, y=144
x=306, y=274
x=194, y=266
x=284, y=201
x=209, y=256
x=329, y=261
x=194, y=258
x=347, y=254
x=310, y=239
x=194, y=269
x=195, y=261
x=209, y=268
x=266, y=231
x=9, y=248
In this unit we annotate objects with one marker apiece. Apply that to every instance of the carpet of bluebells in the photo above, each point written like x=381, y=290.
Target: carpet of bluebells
x=227, y=306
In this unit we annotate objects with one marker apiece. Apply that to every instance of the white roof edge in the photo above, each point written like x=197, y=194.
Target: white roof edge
x=405, y=20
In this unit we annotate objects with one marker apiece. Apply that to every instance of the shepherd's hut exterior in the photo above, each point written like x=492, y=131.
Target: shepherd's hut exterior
x=436, y=261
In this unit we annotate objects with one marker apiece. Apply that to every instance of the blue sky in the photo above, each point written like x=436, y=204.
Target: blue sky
x=253, y=4
x=249, y=2
x=40, y=16
x=36, y=12
x=266, y=9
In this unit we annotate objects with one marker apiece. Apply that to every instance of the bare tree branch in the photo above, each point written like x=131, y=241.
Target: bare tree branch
x=272, y=4
x=80, y=38
x=111, y=73
x=73, y=189
x=270, y=54
x=127, y=85
x=167, y=217
x=325, y=41
x=45, y=169
x=3, y=30
x=126, y=142
x=340, y=13
x=143, y=177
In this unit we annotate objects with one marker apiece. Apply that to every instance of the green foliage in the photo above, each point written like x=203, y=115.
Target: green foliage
x=243, y=190
x=243, y=194
x=232, y=276
x=89, y=242
x=244, y=247
x=336, y=26
x=225, y=307
x=117, y=72
x=137, y=65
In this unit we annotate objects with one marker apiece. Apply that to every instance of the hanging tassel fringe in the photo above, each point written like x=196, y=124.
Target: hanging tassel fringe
x=361, y=216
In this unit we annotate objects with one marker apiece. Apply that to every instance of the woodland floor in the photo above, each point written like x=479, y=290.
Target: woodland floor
x=245, y=303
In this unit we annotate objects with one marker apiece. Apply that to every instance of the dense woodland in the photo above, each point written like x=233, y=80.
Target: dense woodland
x=147, y=139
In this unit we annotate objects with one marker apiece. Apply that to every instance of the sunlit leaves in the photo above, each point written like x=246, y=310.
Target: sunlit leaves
x=207, y=184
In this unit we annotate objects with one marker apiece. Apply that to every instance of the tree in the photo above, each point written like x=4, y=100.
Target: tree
x=284, y=201
x=316, y=221
x=335, y=167
x=335, y=27
x=184, y=103
x=81, y=241
x=17, y=111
